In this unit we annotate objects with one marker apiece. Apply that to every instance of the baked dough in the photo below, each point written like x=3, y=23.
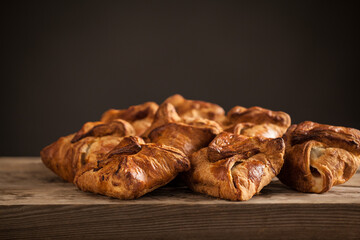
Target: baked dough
x=257, y=121
x=132, y=169
x=140, y=116
x=319, y=156
x=235, y=167
x=195, y=109
x=185, y=134
x=94, y=140
x=133, y=151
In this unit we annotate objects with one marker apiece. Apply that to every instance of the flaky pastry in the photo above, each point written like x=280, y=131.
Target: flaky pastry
x=140, y=116
x=93, y=141
x=186, y=134
x=257, y=121
x=319, y=156
x=132, y=169
x=186, y=108
x=235, y=167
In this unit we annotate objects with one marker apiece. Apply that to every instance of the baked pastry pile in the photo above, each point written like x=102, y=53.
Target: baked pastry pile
x=133, y=151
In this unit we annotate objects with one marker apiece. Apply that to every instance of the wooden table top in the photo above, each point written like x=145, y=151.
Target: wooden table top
x=35, y=203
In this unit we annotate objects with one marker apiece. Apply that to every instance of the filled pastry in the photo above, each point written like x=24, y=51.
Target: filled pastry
x=132, y=169
x=93, y=141
x=319, y=156
x=195, y=109
x=235, y=167
x=185, y=134
x=257, y=121
x=133, y=151
x=140, y=116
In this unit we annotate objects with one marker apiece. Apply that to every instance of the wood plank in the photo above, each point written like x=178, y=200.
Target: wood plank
x=35, y=203
x=27, y=181
x=181, y=221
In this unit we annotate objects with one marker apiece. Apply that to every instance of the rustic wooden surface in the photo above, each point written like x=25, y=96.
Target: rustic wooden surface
x=35, y=203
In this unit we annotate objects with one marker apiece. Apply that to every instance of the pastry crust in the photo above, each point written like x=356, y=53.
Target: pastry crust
x=132, y=169
x=92, y=142
x=188, y=135
x=195, y=109
x=116, y=128
x=257, y=121
x=140, y=116
x=235, y=167
x=319, y=156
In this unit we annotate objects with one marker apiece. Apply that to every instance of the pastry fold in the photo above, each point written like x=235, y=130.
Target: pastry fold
x=196, y=109
x=132, y=169
x=185, y=134
x=93, y=141
x=235, y=167
x=140, y=116
x=319, y=156
x=257, y=121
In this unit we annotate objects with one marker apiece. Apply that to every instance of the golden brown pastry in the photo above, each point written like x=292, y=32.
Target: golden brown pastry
x=257, y=121
x=188, y=135
x=235, y=167
x=196, y=109
x=132, y=169
x=140, y=116
x=94, y=140
x=166, y=113
x=319, y=156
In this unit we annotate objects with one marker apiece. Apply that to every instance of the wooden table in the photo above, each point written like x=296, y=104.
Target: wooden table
x=35, y=203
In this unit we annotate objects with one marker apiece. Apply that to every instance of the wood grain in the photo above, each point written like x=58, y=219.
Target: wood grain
x=35, y=203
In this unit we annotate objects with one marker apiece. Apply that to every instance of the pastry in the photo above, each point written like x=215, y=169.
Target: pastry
x=195, y=109
x=235, y=167
x=257, y=121
x=93, y=141
x=319, y=156
x=132, y=169
x=185, y=134
x=140, y=116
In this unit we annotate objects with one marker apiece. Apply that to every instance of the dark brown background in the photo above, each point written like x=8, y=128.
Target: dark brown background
x=65, y=62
